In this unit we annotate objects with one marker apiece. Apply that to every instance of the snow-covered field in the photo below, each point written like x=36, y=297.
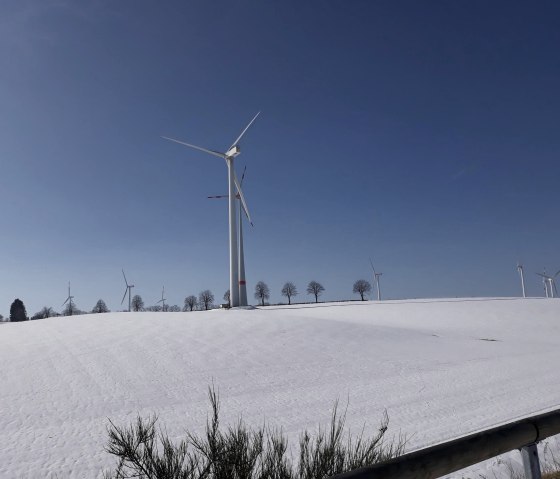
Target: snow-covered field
x=441, y=369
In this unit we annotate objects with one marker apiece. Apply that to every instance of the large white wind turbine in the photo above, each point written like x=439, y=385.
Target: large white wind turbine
x=162, y=300
x=241, y=257
x=127, y=290
x=233, y=183
x=376, y=280
x=520, y=269
x=69, y=299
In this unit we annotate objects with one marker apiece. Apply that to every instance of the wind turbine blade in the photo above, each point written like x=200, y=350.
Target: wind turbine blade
x=371, y=263
x=543, y=275
x=211, y=152
x=557, y=273
x=243, y=175
x=219, y=196
x=66, y=301
x=124, y=296
x=243, y=132
x=159, y=301
x=246, y=214
x=241, y=197
x=124, y=277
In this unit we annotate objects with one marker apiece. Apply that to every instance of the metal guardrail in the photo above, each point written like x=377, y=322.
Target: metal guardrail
x=446, y=458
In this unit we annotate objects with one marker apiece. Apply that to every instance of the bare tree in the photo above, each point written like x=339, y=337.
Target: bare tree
x=100, y=307
x=155, y=309
x=190, y=303
x=71, y=309
x=261, y=291
x=289, y=290
x=174, y=309
x=137, y=303
x=206, y=298
x=46, y=312
x=361, y=287
x=227, y=297
x=315, y=289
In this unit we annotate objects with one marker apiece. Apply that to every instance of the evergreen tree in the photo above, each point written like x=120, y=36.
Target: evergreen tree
x=17, y=311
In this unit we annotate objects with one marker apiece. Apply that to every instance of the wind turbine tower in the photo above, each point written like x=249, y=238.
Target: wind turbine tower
x=233, y=183
x=241, y=257
x=69, y=299
x=520, y=269
x=545, y=281
x=549, y=282
x=127, y=290
x=552, y=286
x=376, y=276
x=162, y=300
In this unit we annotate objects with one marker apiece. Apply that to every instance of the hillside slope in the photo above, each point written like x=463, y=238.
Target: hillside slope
x=441, y=368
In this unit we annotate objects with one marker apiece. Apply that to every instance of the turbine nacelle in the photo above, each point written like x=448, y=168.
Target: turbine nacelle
x=233, y=151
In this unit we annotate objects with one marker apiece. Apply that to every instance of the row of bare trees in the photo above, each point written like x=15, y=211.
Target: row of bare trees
x=289, y=290
x=204, y=301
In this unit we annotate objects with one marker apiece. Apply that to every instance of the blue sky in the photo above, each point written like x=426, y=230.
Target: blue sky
x=424, y=135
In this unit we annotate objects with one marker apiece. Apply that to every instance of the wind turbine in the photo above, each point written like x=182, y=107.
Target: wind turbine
x=520, y=269
x=549, y=282
x=233, y=183
x=69, y=299
x=376, y=280
x=162, y=300
x=553, y=289
x=545, y=282
x=241, y=255
x=127, y=290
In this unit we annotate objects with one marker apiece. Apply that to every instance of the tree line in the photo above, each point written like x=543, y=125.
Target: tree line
x=203, y=302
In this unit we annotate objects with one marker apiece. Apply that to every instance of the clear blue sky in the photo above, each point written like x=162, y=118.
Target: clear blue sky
x=422, y=134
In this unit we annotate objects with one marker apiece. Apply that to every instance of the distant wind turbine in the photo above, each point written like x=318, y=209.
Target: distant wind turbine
x=241, y=256
x=376, y=280
x=520, y=269
x=233, y=183
x=127, y=290
x=549, y=282
x=162, y=300
x=69, y=299
x=545, y=283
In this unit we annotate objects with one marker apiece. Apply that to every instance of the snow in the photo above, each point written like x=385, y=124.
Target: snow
x=441, y=369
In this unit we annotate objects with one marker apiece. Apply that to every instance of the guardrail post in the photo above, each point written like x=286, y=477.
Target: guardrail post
x=531, y=464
